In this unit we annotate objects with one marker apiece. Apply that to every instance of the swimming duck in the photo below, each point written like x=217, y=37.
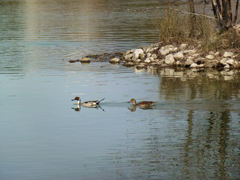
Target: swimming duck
x=143, y=104
x=90, y=104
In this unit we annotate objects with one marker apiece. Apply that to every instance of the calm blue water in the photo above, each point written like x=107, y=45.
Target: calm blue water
x=192, y=133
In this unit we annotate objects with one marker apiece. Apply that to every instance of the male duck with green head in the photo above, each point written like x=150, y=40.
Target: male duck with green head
x=90, y=104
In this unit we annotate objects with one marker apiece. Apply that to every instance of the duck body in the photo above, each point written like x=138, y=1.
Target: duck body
x=89, y=104
x=143, y=104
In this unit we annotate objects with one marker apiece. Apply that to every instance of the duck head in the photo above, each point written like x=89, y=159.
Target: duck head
x=133, y=101
x=77, y=99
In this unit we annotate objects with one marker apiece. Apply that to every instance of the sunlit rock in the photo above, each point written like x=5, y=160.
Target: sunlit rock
x=210, y=57
x=178, y=55
x=148, y=60
x=167, y=49
x=230, y=61
x=169, y=59
x=189, y=61
x=228, y=54
x=142, y=56
x=128, y=57
x=114, y=60
x=128, y=64
x=154, y=56
x=137, y=52
x=228, y=78
x=149, y=55
x=194, y=65
x=223, y=61
x=195, y=55
x=190, y=51
x=217, y=53
x=226, y=66
x=183, y=46
x=85, y=60
x=138, y=61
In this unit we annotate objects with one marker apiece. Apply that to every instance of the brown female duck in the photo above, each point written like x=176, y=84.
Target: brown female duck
x=143, y=104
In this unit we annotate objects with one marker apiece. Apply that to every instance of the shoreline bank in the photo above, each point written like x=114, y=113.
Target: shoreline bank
x=159, y=55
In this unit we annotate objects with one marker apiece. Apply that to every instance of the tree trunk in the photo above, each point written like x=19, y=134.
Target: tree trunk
x=192, y=18
x=223, y=13
x=236, y=13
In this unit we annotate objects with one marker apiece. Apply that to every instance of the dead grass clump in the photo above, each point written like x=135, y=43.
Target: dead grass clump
x=172, y=27
x=177, y=28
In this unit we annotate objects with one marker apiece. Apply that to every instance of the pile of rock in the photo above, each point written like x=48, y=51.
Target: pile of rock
x=177, y=56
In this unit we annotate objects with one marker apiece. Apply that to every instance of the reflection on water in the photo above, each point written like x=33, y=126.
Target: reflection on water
x=191, y=133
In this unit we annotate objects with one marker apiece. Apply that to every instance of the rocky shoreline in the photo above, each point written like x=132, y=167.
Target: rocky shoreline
x=181, y=56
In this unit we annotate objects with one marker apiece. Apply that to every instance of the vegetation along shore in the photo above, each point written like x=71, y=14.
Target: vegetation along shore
x=187, y=40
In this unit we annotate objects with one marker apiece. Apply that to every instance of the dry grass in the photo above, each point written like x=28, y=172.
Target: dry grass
x=177, y=28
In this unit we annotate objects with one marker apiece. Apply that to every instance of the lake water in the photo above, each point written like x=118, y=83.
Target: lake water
x=192, y=133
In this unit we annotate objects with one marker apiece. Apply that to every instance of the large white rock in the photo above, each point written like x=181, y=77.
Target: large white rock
x=167, y=49
x=228, y=54
x=178, y=55
x=210, y=57
x=230, y=61
x=224, y=61
x=183, y=46
x=169, y=59
x=189, y=61
x=137, y=52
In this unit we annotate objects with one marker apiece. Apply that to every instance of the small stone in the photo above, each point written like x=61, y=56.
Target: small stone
x=210, y=57
x=195, y=55
x=169, y=59
x=128, y=64
x=217, y=53
x=189, y=61
x=190, y=51
x=178, y=63
x=149, y=54
x=73, y=61
x=223, y=61
x=141, y=66
x=193, y=65
x=148, y=60
x=178, y=55
x=230, y=61
x=128, y=56
x=228, y=54
x=226, y=66
x=142, y=56
x=183, y=46
x=85, y=60
x=154, y=56
x=138, y=61
x=211, y=52
x=114, y=61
